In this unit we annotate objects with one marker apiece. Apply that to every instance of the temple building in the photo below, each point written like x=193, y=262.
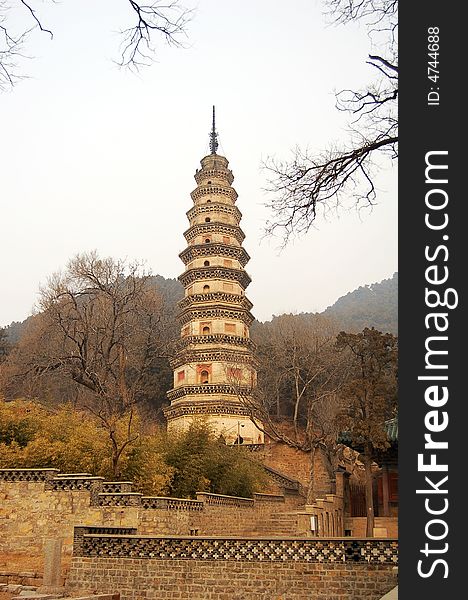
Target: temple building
x=214, y=369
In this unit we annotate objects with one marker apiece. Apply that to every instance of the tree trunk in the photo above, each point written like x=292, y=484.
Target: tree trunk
x=320, y=485
x=369, y=495
x=311, y=490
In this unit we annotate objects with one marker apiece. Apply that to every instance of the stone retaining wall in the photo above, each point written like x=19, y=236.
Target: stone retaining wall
x=235, y=569
x=41, y=504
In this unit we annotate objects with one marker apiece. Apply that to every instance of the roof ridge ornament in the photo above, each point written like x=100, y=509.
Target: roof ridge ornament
x=213, y=135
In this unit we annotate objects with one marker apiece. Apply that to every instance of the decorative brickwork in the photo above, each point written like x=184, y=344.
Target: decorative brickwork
x=73, y=483
x=32, y=511
x=33, y=475
x=221, y=500
x=224, y=273
x=206, y=409
x=119, y=499
x=112, y=487
x=277, y=550
x=171, y=503
x=205, y=229
x=200, y=355
x=207, y=388
x=218, y=298
x=203, y=209
x=216, y=173
x=215, y=314
x=214, y=191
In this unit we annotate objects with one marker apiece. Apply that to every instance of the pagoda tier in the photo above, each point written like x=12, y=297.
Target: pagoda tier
x=215, y=367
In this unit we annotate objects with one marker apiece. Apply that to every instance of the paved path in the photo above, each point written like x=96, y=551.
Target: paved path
x=392, y=595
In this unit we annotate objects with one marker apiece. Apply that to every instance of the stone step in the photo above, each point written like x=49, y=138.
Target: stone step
x=35, y=596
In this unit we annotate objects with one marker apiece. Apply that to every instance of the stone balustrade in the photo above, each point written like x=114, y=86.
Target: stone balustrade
x=32, y=475
x=162, y=503
x=368, y=551
x=74, y=482
x=119, y=499
x=112, y=487
x=268, y=498
x=220, y=500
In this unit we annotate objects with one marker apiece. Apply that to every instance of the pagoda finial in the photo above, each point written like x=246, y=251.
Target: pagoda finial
x=213, y=135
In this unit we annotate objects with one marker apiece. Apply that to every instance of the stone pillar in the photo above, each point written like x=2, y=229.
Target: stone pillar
x=339, y=478
x=52, y=563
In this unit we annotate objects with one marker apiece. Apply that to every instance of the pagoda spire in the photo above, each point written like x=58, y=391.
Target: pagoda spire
x=213, y=135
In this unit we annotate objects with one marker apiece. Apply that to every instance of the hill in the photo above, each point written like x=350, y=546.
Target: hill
x=374, y=305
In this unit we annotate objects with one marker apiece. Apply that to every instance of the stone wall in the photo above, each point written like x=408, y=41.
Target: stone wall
x=36, y=505
x=290, y=461
x=297, y=465
x=383, y=526
x=234, y=569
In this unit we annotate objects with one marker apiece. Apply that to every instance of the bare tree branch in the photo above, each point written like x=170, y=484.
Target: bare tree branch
x=311, y=182
x=169, y=20
x=154, y=20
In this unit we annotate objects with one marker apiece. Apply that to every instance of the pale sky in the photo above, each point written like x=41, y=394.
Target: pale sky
x=93, y=157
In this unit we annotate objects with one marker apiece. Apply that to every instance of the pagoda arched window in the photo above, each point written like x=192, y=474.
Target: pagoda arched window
x=206, y=330
x=204, y=377
x=206, y=289
x=206, y=263
x=207, y=219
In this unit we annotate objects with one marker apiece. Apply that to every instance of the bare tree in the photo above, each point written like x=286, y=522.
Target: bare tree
x=313, y=182
x=147, y=22
x=369, y=397
x=296, y=399
x=100, y=329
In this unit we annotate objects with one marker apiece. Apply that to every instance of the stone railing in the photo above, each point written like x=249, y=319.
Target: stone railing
x=159, y=502
x=81, y=531
x=216, y=339
x=220, y=500
x=286, y=482
x=118, y=493
x=118, y=499
x=209, y=388
x=32, y=475
x=81, y=481
x=214, y=249
x=369, y=551
x=214, y=189
x=268, y=498
x=215, y=312
x=218, y=297
x=206, y=228
x=215, y=272
x=112, y=487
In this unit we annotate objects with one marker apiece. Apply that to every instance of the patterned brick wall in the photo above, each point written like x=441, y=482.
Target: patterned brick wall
x=172, y=579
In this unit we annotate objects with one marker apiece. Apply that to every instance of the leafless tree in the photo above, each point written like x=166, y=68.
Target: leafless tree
x=369, y=398
x=147, y=22
x=101, y=329
x=313, y=182
x=296, y=399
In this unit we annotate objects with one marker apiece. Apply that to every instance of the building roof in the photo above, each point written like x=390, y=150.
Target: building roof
x=391, y=428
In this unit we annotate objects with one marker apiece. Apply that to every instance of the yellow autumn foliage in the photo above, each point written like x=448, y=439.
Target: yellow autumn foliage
x=75, y=442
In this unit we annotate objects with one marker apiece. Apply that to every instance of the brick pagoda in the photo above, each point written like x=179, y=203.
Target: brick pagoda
x=214, y=370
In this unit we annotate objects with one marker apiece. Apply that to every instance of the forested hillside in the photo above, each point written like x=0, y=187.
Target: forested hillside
x=374, y=305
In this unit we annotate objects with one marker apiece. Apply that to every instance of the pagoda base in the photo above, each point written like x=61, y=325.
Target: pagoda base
x=233, y=423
